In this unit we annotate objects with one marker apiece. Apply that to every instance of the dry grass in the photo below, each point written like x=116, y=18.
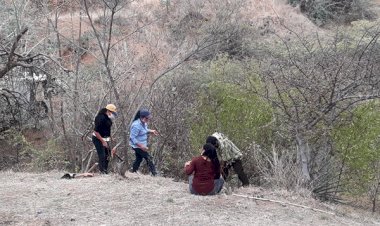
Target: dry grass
x=281, y=15
x=45, y=199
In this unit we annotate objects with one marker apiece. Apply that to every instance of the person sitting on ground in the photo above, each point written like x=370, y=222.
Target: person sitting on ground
x=204, y=172
x=230, y=155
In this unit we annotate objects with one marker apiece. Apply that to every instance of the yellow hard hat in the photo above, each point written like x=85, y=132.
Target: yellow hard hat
x=111, y=107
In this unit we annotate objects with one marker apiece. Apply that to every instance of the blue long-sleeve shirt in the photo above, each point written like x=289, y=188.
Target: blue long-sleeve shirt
x=138, y=134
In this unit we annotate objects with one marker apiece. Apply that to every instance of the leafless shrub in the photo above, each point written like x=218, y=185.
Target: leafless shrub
x=276, y=168
x=172, y=106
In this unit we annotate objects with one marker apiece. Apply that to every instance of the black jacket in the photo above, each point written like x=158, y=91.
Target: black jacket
x=103, y=125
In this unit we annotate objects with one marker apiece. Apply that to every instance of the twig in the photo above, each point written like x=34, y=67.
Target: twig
x=91, y=153
x=284, y=203
x=92, y=167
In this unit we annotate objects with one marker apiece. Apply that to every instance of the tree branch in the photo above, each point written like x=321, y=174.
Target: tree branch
x=12, y=57
x=284, y=203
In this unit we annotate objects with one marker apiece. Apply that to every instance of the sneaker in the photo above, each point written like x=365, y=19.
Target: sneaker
x=136, y=172
x=68, y=176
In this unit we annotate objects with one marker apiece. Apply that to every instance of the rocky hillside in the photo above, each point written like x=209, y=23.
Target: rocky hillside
x=45, y=199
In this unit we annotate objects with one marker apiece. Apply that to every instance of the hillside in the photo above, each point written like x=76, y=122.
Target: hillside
x=45, y=199
x=147, y=39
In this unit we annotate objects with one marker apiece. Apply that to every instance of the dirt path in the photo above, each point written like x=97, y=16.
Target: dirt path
x=44, y=199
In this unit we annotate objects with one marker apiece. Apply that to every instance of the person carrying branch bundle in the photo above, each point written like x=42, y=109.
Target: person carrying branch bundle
x=230, y=156
x=138, y=140
x=102, y=135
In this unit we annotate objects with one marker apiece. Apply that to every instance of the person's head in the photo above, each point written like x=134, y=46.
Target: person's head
x=209, y=151
x=145, y=115
x=212, y=140
x=111, y=111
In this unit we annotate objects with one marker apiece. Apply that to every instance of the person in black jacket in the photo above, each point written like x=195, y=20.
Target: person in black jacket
x=102, y=135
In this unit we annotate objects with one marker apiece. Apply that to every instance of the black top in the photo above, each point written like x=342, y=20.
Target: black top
x=103, y=125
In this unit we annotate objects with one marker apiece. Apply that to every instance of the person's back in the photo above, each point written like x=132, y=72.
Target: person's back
x=227, y=150
x=206, y=178
x=230, y=155
x=203, y=181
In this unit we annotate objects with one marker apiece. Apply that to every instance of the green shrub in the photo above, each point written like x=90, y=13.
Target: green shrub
x=358, y=146
x=16, y=150
x=228, y=109
x=341, y=11
x=52, y=157
x=226, y=105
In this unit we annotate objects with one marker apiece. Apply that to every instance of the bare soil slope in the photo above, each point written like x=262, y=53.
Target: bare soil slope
x=45, y=199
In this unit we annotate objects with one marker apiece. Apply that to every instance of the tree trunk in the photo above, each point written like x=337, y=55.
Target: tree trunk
x=303, y=152
x=374, y=198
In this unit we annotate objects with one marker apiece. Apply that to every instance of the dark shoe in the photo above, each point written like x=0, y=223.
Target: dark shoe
x=68, y=176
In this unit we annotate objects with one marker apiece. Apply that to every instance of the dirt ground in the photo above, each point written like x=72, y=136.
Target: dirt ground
x=45, y=199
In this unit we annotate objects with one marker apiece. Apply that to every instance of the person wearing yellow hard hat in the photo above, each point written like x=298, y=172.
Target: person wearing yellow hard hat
x=102, y=135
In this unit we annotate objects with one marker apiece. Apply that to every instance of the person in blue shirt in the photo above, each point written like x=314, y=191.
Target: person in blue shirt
x=138, y=140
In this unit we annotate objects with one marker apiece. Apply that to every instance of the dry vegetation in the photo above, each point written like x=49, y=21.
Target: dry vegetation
x=146, y=43
x=45, y=199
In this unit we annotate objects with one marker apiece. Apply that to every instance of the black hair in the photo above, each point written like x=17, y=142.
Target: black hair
x=102, y=111
x=210, y=152
x=137, y=116
x=212, y=140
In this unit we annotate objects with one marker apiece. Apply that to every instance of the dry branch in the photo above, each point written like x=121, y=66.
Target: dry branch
x=12, y=60
x=283, y=203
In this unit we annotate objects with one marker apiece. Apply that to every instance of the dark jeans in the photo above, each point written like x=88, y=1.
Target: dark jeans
x=140, y=155
x=238, y=168
x=218, y=185
x=103, y=154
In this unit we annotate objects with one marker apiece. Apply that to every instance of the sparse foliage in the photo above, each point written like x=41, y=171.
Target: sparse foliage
x=340, y=11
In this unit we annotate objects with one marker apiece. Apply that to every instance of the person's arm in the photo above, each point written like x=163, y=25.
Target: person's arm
x=142, y=147
x=98, y=124
x=189, y=167
x=153, y=131
x=104, y=143
x=134, y=133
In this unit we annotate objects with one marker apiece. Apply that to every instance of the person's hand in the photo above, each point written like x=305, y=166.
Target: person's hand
x=155, y=132
x=142, y=147
x=187, y=163
x=113, y=152
x=105, y=144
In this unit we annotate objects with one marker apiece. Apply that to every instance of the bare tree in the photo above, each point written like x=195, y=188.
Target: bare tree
x=172, y=104
x=312, y=82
